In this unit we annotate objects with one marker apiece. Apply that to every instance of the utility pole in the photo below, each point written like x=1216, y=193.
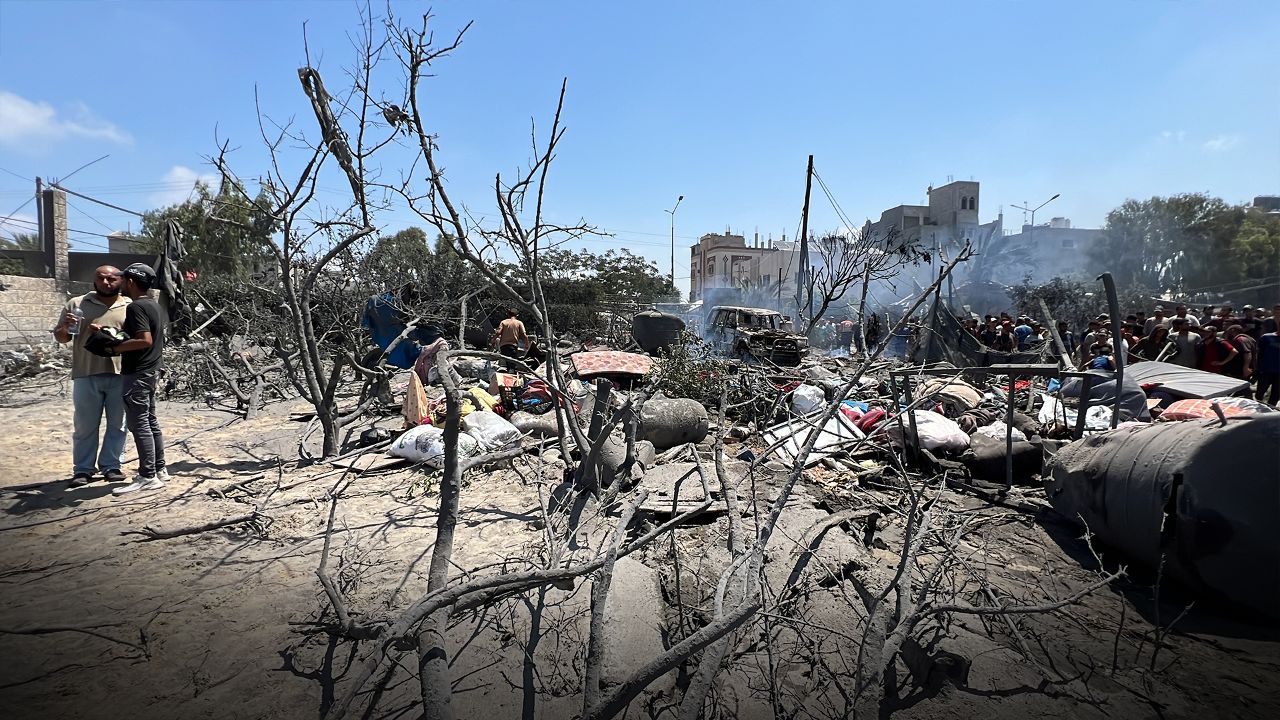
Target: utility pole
x=672, y=212
x=806, y=286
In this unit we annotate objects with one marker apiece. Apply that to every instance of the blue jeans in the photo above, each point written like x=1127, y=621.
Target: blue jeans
x=90, y=397
x=139, y=392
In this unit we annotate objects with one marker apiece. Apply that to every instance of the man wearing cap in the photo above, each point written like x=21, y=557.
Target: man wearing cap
x=1149, y=326
x=140, y=362
x=1249, y=322
x=95, y=380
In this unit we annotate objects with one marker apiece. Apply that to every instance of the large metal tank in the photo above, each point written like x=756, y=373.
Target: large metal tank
x=1204, y=494
x=654, y=330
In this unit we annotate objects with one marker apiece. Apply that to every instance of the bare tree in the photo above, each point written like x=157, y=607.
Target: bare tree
x=858, y=259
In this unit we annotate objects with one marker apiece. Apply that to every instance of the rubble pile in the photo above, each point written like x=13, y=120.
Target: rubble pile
x=992, y=431
x=28, y=360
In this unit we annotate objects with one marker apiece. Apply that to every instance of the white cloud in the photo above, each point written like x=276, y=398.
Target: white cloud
x=181, y=180
x=23, y=122
x=1173, y=135
x=1221, y=143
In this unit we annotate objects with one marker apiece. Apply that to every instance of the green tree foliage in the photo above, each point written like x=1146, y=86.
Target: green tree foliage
x=19, y=241
x=225, y=234
x=1074, y=301
x=1187, y=244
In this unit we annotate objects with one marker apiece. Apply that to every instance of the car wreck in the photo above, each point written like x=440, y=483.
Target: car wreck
x=754, y=334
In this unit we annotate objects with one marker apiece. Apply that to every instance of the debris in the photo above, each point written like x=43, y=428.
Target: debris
x=425, y=444
x=957, y=395
x=668, y=422
x=935, y=432
x=998, y=430
x=610, y=363
x=1162, y=493
x=1184, y=382
x=490, y=430
x=986, y=459
x=806, y=399
x=837, y=432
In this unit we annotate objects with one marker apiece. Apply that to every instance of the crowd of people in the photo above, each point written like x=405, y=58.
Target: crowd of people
x=1244, y=345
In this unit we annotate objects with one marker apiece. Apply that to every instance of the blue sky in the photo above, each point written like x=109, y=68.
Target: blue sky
x=718, y=101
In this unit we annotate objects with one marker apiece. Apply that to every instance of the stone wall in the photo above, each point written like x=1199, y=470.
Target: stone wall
x=29, y=308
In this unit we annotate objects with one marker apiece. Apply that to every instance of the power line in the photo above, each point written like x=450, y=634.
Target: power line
x=100, y=202
x=20, y=177
x=82, y=212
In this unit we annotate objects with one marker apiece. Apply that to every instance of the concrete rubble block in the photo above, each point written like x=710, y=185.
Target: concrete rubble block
x=665, y=498
x=837, y=552
x=632, y=620
x=538, y=426
x=670, y=422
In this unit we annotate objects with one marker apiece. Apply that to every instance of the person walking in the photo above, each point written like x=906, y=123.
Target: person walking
x=95, y=380
x=141, y=363
x=510, y=334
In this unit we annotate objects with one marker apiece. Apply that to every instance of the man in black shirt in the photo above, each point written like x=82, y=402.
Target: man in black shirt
x=140, y=361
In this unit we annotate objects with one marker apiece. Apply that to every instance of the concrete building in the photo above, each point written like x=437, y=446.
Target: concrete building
x=1041, y=253
x=942, y=226
x=727, y=262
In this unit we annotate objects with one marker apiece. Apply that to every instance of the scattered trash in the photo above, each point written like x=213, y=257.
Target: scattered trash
x=807, y=398
x=936, y=432
x=838, y=431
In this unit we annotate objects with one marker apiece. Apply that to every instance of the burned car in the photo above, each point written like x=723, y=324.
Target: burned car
x=754, y=333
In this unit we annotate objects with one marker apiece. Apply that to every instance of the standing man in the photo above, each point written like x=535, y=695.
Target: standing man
x=1268, y=368
x=1180, y=312
x=1187, y=342
x=1216, y=352
x=510, y=334
x=846, y=333
x=1250, y=324
x=1023, y=332
x=1150, y=325
x=140, y=363
x=95, y=380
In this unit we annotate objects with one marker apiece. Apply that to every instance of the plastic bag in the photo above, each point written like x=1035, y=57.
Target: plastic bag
x=807, y=398
x=935, y=431
x=997, y=430
x=490, y=430
x=425, y=444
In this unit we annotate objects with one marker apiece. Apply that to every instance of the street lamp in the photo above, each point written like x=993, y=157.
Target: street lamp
x=672, y=211
x=1033, y=214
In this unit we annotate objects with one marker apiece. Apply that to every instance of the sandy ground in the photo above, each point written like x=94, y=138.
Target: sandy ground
x=97, y=624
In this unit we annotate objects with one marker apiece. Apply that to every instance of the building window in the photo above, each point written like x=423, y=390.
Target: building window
x=1068, y=243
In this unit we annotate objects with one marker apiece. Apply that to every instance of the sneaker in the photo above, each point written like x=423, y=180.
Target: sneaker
x=139, y=483
x=162, y=475
x=113, y=475
x=81, y=479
